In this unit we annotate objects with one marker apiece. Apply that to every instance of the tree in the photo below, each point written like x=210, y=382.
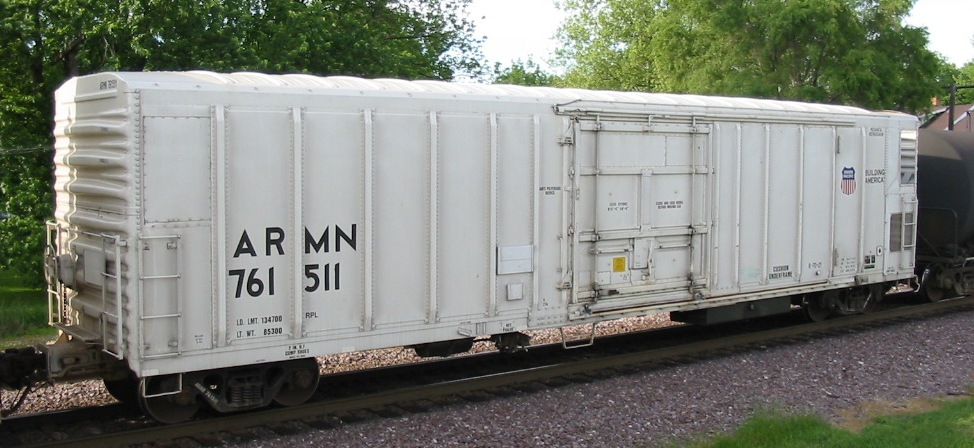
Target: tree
x=44, y=42
x=605, y=45
x=965, y=77
x=835, y=51
x=522, y=74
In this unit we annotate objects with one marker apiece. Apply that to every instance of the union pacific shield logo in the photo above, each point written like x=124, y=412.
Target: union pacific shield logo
x=848, y=180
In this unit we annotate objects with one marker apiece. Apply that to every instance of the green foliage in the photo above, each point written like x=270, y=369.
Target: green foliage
x=965, y=77
x=606, y=44
x=374, y=38
x=950, y=426
x=44, y=42
x=780, y=432
x=523, y=74
x=834, y=51
x=24, y=309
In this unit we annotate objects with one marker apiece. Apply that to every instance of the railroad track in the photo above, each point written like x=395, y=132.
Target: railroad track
x=398, y=390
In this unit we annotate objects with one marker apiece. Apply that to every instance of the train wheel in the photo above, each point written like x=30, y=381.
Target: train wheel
x=173, y=408
x=933, y=293
x=125, y=390
x=859, y=299
x=937, y=285
x=301, y=383
x=817, y=307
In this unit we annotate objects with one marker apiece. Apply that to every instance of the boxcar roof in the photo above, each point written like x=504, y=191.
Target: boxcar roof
x=234, y=81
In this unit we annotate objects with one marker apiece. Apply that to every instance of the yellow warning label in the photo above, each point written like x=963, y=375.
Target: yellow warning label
x=619, y=264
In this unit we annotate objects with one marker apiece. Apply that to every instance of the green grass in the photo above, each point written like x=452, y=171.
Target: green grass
x=950, y=425
x=23, y=313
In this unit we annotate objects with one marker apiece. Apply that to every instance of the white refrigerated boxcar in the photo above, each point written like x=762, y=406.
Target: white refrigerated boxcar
x=211, y=222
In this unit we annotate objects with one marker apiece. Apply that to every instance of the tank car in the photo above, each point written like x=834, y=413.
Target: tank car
x=945, y=250
x=214, y=233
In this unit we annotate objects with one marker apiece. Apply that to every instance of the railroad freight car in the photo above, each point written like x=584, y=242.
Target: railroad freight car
x=945, y=232
x=216, y=232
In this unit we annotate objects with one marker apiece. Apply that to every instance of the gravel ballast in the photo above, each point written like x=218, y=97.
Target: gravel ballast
x=830, y=376
x=826, y=376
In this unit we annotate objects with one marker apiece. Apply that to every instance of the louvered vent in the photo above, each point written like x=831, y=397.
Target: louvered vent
x=908, y=157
